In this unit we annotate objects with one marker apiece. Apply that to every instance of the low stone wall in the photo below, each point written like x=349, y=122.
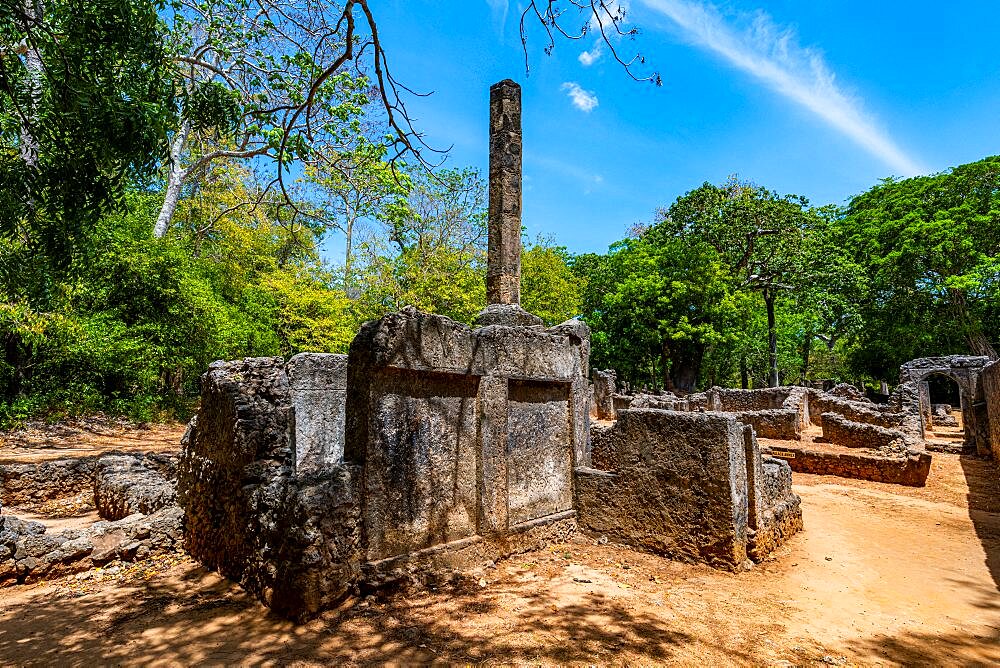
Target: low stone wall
x=781, y=516
x=779, y=423
x=730, y=400
x=911, y=469
x=622, y=402
x=28, y=553
x=22, y=484
x=839, y=430
x=660, y=402
x=134, y=484
x=854, y=410
x=685, y=485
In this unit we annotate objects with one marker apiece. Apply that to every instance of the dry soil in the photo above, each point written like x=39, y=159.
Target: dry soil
x=882, y=575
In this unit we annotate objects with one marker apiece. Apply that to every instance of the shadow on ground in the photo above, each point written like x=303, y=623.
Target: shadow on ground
x=983, y=478
x=195, y=617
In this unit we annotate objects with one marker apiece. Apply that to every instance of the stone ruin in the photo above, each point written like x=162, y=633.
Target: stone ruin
x=435, y=447
x=134, y=496
x=885, y=442
x=690, y=486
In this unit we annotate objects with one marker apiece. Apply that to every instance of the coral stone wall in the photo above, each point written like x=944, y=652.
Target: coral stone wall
x=991, y=395
x=289, y=540
x=29, y=483
x=910, y=468
x=839, y=430
x=691, y=486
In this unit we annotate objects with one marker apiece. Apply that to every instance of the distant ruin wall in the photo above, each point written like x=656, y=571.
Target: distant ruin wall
x=855, y=410
x=778, y=423
x=910, y=469
x=839, y=430
x=22, y=484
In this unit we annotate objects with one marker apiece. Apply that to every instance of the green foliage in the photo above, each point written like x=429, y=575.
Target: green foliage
x=549, y=288
x=928, y=249
x=84, y=106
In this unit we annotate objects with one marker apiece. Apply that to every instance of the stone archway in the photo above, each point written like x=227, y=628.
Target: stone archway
x=964, y=371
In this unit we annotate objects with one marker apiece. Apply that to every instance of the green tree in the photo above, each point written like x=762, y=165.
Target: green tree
x=549, y=288
x=656, y=304
x=929, y=250
x=84, y=103
x=759, y=235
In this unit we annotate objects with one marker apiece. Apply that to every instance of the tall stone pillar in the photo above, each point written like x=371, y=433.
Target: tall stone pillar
x=503, y=272
x=503, y=276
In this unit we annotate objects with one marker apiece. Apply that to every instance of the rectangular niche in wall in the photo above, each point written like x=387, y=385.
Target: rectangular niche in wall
x=539, y=450
x=421, y=464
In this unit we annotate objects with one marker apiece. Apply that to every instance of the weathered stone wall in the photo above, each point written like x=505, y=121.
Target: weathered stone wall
x=778, y=423
x=30, y=483
x=853, y=409
x=289, y=540
x=690, y=486
x=604, y=394
x=839, y=430
x=910, y=469
x=134, y=484
x=991, y=397
x=776, y=412
x=459, y=449
x=466, y=435
x=735, y=400
x=28, y=553
x=660, y=401
x=781, y=515
x=965, y=371
x=318, y=388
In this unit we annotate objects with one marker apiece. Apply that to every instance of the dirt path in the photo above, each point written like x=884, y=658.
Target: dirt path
x=94, y=437
x=883, y=575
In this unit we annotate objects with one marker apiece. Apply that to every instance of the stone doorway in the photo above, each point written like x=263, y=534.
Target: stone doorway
x=941, y=406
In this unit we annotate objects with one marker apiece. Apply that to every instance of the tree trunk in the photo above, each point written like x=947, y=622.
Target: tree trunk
x=348, y=253
x=973, y=332
x=685, y=366
x=806, y=350
x=33, y=12
x=175, y=180
x=665, y=366
x=744, y=373
x=33, y=15
x=772, y=340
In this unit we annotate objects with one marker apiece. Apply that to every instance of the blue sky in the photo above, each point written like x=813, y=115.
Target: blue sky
x=820, y=98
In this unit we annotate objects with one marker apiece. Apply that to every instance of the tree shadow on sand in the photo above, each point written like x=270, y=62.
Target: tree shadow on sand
x=983, y=479
x=197, y=617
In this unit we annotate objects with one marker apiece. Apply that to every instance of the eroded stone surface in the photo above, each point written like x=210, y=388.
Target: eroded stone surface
x=689, y=486
x=134, y=484
x=318, y=389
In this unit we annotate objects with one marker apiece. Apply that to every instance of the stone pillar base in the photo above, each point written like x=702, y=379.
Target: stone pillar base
x=507, y=315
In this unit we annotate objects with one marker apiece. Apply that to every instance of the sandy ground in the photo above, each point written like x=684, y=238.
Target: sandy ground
x=882, y=575
x=85, y=438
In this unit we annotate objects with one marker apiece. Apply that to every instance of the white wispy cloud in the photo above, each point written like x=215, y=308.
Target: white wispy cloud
x=584, y=100
x=500, y=9
x=588, y=181
x=772, y=53
x=588, y=58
